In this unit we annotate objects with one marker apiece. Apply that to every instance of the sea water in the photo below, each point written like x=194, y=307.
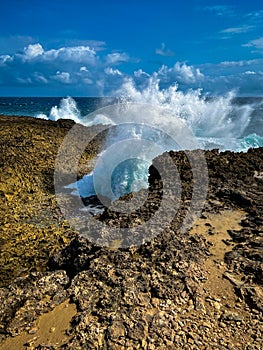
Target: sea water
x=226, y=122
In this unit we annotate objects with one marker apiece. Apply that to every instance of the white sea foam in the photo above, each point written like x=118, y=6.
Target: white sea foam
x=67, y=110
x=207, y=118
x=214, y=122
x=216, y=117
x=42, y=116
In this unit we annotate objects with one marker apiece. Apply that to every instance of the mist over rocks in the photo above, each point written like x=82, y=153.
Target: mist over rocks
x=157, y=295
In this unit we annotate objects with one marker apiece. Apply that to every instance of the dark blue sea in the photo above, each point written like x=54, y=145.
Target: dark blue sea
x=35, y=106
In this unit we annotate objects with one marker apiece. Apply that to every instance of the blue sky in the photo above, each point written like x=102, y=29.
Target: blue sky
x=90, y=48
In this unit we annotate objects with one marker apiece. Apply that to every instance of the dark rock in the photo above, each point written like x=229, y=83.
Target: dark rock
x=146, y=295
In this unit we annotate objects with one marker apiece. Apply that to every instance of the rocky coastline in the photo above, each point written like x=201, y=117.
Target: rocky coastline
x=199, y=289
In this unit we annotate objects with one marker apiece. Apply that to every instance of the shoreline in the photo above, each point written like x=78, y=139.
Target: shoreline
x=164, y=292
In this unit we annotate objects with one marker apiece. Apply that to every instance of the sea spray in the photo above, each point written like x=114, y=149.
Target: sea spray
x=135, y=139
x=143, y=125
x=217, y=119
x=67, y=110
x=208, y=117
x=140, y=132
x=215, y=123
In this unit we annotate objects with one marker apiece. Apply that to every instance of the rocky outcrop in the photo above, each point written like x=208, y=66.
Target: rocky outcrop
x=32, y=227
x=161, y=294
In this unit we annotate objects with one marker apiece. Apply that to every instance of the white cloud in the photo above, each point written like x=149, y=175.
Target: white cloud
x=111, y=71
x=77, y=54
x=5, y=59
x=33, y=51
x=40, y=78
x=117, y=58
x=257, y=43
x=140, y=73
x=255, y=16
x=87, y=81
x=75, y=66
x=221, y=10
x=237, y=30
x=163, y=51
x=249, y=72
x=25, y=81
x=243, y=76
x=181, y=72
x=83, y=69
x=63, y=77
x=96, y=45
x=244, y=84
x=72, y=54
x=241, y=63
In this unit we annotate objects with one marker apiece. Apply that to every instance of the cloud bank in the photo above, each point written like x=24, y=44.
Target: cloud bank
x=86, y=70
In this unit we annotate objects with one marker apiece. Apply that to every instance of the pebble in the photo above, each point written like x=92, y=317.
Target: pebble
x=206, y=324
x=33, y=330
x=217, y=305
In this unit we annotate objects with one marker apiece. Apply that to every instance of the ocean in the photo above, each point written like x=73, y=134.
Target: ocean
x=234, y=123
x=169, y=118
x=36, y=106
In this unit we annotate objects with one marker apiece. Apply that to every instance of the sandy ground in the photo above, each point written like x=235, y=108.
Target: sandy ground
x=51, y=327
x=215, y=229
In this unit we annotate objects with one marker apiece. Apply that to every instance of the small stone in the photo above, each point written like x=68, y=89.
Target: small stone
x=217, y=305
x=207, y=325
x=52, y=330
x=230, y=316
x=31, y=341
x=33, y=330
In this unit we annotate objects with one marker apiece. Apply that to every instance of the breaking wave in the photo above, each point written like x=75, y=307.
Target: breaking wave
x=214, y=123
x=67, y=110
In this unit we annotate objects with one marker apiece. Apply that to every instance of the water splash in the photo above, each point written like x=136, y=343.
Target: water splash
x=251, y=141
x=215, y=123
x=41, y=116
x=207, y=117
x=67, y=110
x=219, y=118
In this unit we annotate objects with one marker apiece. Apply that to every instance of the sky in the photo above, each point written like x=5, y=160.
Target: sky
x=91, y=48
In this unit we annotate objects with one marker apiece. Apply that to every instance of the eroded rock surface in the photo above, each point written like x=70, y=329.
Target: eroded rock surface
x=158, y=295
